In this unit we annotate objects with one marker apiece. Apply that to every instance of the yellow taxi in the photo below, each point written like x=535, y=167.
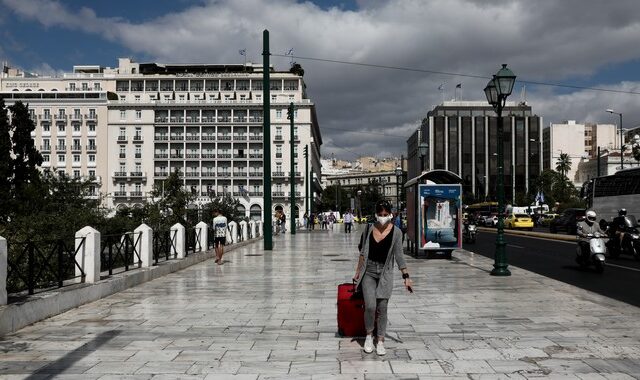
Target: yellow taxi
x=522, y=221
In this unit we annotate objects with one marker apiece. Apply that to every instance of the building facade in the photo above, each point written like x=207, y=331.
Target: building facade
x=147, y=120
x=461, y=137
x=580, y=141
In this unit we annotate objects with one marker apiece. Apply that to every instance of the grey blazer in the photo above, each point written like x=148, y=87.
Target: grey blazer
x=385, y=285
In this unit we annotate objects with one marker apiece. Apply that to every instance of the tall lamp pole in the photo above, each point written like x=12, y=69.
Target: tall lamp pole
x=290, y=116
x=398, y=173
x=621, y=138
x=306, y=185
x=497, y=91
x=266, y=143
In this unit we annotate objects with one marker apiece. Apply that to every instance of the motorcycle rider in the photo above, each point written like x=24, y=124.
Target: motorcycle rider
x=588, y=227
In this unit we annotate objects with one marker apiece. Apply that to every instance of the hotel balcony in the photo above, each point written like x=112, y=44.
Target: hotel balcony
x=208, y=155
x=161, y=137
x=278, y=194
x=122, y=139
x=278, y=174
x=177, y=137
x=92, y=117
x=256, y=194
x=137, y=138
x=224, y=137
x=76, y=149
x=161, y=155
x=45, y=148
x=224, y=155
x=192, y=156
x=61, y=148
x=120, y=175
x=208, y=137
x=138, y=175
x=255, y=138
x=255, y=174
x=136, y=194
x=119, y=194
x=177, y=155
x=255, y=156
x=193, y=137
x=161, y=174
x=92, y=148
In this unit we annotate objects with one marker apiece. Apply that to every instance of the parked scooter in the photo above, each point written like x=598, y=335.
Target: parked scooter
x=595, y=255
x=469, y=232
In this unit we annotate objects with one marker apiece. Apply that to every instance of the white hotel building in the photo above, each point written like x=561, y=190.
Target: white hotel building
x=131, y=126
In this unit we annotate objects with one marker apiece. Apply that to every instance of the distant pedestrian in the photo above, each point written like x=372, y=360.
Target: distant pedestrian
x=283, y=222
x=382, y=246
x=220, y=234
x=312, y=221
x=305, y=219
x=348, y=221
x=331, y=219
x=321, y=221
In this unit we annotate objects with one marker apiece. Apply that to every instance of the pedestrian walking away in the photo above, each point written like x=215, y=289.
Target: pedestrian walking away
x=220, y=234
x=348, y=221
x=283, y=222
x=381, y=247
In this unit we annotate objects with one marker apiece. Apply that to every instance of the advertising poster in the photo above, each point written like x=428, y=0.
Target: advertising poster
x=440, y=215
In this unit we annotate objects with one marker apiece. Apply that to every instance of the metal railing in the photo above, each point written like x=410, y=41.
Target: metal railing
x=192, y=241
x=35, y=266
x=164, y=243
x=120, y=251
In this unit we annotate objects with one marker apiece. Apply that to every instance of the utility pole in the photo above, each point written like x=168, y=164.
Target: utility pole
x=290, y=114
x=311, y=188
x=266, y=143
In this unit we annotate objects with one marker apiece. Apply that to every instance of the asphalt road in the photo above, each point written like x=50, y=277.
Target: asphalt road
x=556, y=259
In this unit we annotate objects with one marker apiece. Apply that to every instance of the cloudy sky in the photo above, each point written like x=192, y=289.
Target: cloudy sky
x=362, y=110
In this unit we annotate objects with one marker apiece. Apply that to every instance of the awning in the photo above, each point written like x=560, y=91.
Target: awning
x=438, y=176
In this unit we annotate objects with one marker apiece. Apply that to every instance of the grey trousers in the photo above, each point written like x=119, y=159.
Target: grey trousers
x=371, y=303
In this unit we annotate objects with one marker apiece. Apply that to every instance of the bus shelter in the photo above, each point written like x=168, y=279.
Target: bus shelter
x=434, y=214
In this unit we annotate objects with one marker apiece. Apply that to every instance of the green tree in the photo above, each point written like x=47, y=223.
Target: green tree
x=6, y=163
x=172, y=201
x=563, y=165
x=228, y=207
x=329, y=198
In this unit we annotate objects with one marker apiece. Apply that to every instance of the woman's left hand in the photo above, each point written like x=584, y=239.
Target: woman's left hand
x=408, y=284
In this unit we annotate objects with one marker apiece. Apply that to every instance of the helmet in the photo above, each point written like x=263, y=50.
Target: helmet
x=591, y=216
x=622, y=212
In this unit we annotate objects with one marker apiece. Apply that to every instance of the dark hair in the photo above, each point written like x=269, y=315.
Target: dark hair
x=383, y=204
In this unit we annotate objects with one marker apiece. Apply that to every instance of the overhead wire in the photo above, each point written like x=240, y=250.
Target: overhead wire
x=464, y=75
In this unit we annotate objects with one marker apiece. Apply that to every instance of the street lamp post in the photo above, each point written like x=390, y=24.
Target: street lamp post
x=423, y=149
x=398, y=177
x=497, y=91
x=359, y=204
x=621, y=137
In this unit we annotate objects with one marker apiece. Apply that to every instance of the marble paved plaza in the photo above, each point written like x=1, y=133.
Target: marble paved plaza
x=272, y=315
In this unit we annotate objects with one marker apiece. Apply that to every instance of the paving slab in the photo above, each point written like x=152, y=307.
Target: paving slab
x=274, y=317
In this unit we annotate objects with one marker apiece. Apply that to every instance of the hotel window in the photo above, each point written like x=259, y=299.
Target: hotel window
x=96, y=86
x=92, y=173
x=123, y=151
x=47, y=114
x=138, y=115
x=76, y=113
x=92, y=113
x=92, y=158
x=138, y=151
x=278, y=114
x=62, y=128
x=122, y=188
x=76, y=127
x=92, y=127
x=274, y=98
x=76, y=174
x=138, y=188
x=137, y=98
x=72, y=86
x=46, y=128
x=61, y=173
x=152, y=97
x=62, y=143
x=61, y=157
x=123, y=115
x=291, y=97
x=181, y=98
x=85, y=87
x=76, y=158
x=45, y=158
x=92, y=143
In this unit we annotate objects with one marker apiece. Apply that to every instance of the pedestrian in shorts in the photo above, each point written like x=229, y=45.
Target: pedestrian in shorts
x=220, y=234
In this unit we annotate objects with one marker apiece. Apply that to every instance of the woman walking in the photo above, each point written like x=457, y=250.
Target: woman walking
x=381, y=246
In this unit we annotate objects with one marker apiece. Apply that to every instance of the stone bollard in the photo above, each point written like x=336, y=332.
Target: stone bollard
x=4, y=263
x=203, y=236
x=252, y=229
x=178, y=248
x=232, y=232
x=88, y=255
x=144, y=245
x=243, y=229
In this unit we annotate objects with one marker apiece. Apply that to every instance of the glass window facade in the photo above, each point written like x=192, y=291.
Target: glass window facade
x=438, y=142
x=480, y=142
x=466, y=154
x=453, y=144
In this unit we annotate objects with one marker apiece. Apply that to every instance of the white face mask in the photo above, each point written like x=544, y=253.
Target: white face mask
x=383, y=219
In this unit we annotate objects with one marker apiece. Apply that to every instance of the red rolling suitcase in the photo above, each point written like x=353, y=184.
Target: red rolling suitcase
x=350, y=311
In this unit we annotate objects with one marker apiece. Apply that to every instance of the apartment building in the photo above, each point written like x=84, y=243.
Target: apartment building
x=580, y=141
x=203, y=120
x=70, y=113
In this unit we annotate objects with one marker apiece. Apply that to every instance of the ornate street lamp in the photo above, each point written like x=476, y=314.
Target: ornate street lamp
x=497, y=91
x=398, y=173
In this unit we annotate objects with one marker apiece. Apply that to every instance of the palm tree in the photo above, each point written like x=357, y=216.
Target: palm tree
x=563, y=165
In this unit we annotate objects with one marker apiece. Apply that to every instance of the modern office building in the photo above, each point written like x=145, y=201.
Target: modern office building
x=580, y=142
x=151, y=119
x=461, y=137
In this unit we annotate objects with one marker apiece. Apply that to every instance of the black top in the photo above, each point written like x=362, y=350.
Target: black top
x=378, y=251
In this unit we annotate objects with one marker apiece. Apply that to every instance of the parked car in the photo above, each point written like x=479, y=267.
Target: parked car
x=567, y=221
x=545, y=219
x=517, y=221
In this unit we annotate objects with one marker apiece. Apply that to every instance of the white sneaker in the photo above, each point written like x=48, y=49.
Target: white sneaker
x=380, y=348
x=368, y=344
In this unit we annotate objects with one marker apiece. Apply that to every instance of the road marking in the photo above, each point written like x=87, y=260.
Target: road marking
x=534, y=237
x=621, y=266
x=514, y=246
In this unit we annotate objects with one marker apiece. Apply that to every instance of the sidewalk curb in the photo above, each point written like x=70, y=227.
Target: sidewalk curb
x=35, y=308
x=543, y=235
